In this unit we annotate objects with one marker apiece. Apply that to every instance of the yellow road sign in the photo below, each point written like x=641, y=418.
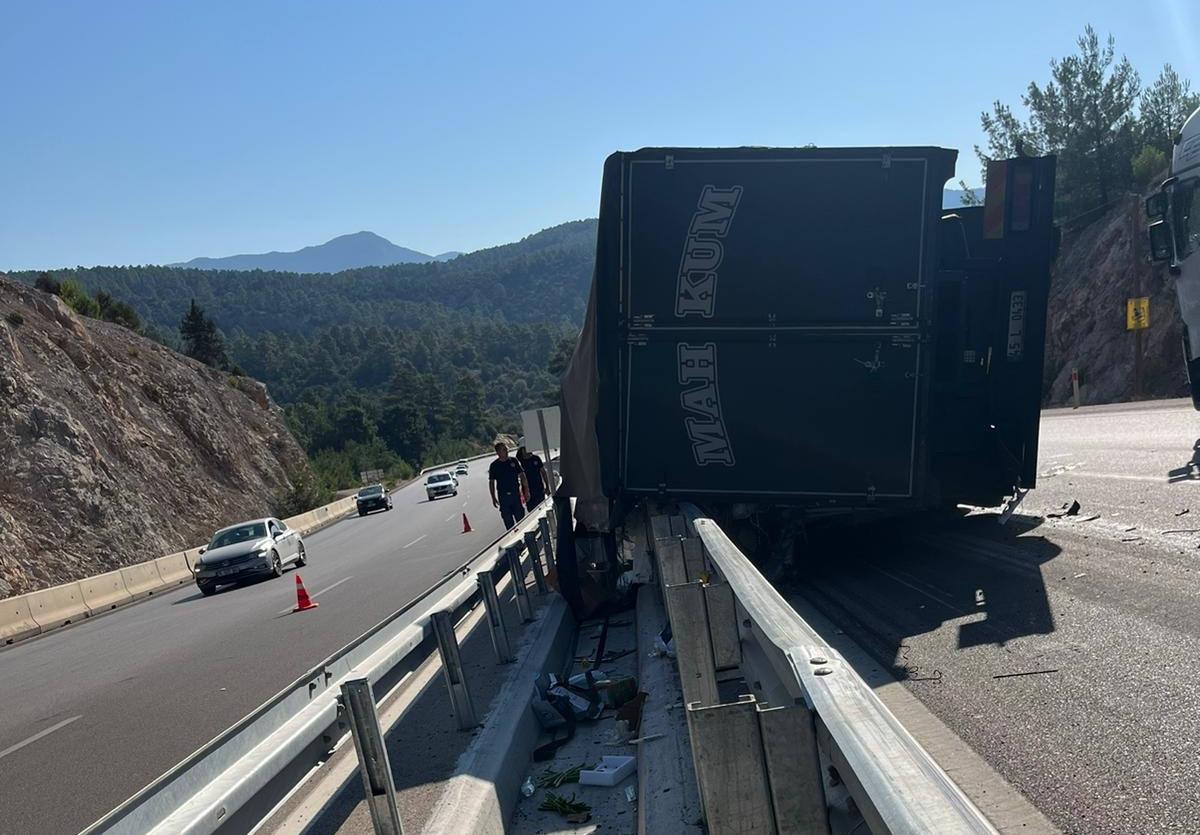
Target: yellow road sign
x=1137, y=313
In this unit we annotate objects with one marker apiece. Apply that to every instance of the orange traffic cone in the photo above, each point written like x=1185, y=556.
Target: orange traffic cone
x=303, y=601
x=466, y=525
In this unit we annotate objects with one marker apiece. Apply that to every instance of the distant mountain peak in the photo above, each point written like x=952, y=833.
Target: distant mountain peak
x=345, y=252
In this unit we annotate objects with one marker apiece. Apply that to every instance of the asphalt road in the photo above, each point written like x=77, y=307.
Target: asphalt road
x=1065, y=651
x=94, y=712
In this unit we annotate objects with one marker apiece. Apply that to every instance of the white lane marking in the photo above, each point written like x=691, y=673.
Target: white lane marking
x=322, y=591
x=415, y=541
x=14, y=748
x=1184, y=477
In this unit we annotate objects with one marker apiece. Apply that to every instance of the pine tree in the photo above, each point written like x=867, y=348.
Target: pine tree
x=201, y=339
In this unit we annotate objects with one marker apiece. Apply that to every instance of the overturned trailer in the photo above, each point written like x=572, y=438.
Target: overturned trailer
x=808, y=327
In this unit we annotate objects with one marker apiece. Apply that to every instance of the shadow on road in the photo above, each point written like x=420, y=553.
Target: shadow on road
x=889, y=581
x=1189, y=471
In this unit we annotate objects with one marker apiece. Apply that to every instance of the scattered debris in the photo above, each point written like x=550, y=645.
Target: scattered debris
x=552, y=779
x=1183, y=530
x=1130, y=528
x=1026, y=673
x=527, y=788
x=557, y=803
x=647, y=738
x=1080, y=574
x=1068, y=509
x=1130, y=538
x=1185, y=510
x=631, y=793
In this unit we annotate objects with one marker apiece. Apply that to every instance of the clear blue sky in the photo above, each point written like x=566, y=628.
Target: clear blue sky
x=157, y=131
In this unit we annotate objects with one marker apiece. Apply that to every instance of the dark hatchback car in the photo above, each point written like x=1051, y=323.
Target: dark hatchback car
x=375, y=497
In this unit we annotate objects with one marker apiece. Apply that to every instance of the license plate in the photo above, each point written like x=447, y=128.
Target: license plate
x=225, y=572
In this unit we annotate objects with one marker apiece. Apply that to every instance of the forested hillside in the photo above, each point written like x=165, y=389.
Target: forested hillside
x=390, y=367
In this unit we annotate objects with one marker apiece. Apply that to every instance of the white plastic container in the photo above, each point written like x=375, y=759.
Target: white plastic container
x=611, y=771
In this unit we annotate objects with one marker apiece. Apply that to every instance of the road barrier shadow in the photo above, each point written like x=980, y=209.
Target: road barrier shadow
x=893, y=580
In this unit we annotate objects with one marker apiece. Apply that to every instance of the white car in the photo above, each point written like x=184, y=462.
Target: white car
x=440, y=484
x=460, y=469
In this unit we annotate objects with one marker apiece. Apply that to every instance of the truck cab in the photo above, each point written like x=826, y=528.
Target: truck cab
x=1174, y=214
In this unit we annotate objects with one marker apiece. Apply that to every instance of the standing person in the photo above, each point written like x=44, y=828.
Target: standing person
x=507, y=484
x=535, y=476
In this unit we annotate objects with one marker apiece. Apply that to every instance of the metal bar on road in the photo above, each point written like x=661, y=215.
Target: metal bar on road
x=535, y=561
x=730, y=771
x=373, y=765
x=456, y=683
x=789, y=741
x=517, y=571
x=693, y=643
x=495, y=618
x=547, y=539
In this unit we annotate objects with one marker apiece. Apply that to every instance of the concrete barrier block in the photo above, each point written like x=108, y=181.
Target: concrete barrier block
x=104, y=591
x=16, y=620
x=58, y=606
x=142, y=579
x=174, y=569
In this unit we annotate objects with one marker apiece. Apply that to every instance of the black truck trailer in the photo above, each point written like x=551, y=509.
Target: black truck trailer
x=809, y=327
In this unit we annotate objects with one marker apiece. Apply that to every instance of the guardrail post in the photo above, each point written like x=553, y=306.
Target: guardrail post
x=373, y=765
x=789, y=740
x=535, y=561
x=730, y=770
x=517, y=572
x=693, y=643
x=495, y=618
x=460, y=696
x=548, y=539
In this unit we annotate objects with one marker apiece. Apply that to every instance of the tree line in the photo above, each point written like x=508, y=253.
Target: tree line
x=1111, y=134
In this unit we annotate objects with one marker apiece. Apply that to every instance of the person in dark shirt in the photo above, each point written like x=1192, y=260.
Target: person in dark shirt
x=535, y=475
x=507, y=484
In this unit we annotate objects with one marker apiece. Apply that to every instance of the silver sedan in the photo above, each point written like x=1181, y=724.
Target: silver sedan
x=247, y=550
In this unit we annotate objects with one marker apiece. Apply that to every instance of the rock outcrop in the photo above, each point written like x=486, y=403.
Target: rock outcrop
x=1100, y=266
x=115, y=449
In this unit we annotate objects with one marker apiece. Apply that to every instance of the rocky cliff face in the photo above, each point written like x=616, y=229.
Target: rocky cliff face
x=1099, y=267
x=115, y=450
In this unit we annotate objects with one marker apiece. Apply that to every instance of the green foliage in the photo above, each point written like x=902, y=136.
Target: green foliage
x=118, y=312
x=14, y=318
x=47, y=284
x=1164, y=106
x=201, y=339
x=1149, y=163
x=78, y=300
x=302, y=493
x=1085, y=114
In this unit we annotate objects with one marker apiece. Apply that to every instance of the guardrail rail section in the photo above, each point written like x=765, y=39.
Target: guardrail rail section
x=811, y=748
x=235, y=781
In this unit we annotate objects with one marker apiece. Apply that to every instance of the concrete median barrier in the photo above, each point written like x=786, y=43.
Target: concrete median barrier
x=142, y=579
x=104, y=591
x=57, y=606
x=16, y=620
x=174, y=569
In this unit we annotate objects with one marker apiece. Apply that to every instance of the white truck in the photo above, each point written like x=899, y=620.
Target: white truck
x=1174, y=214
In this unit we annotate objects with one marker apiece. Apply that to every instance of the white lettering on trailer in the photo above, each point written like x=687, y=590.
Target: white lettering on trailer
x=702, y=252
x=702, y=401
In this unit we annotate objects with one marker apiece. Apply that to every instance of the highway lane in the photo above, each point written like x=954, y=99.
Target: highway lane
x=1065, y=651
x=94, y=712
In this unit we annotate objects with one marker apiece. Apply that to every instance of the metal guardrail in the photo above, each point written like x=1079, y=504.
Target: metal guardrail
x=765, y=759
x=234, y=781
